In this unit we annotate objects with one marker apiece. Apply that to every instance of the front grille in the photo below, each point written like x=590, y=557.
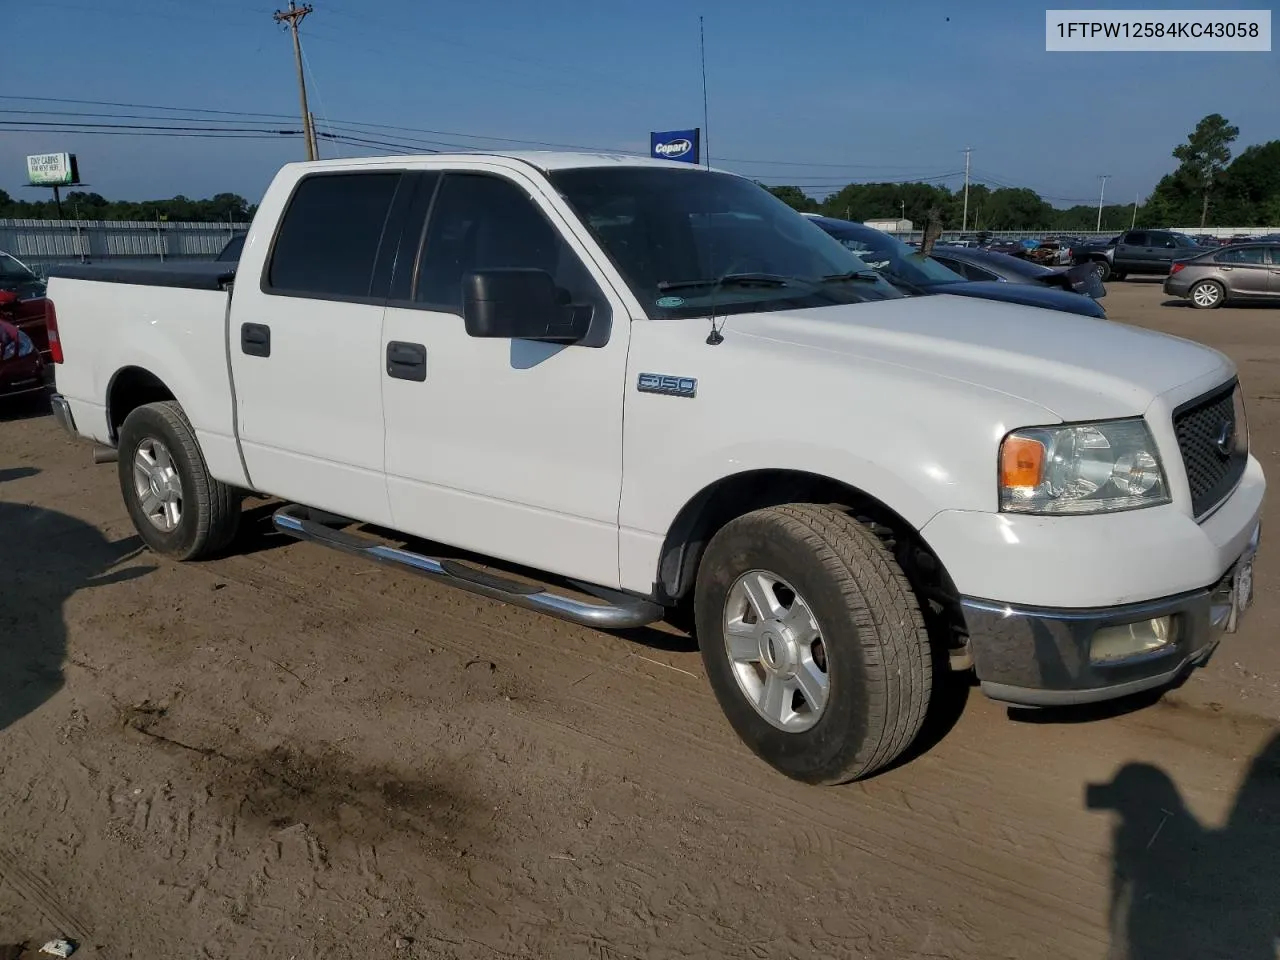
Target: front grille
x=1198, y=425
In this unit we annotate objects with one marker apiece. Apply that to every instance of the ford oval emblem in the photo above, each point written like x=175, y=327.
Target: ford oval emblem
x=675, y=148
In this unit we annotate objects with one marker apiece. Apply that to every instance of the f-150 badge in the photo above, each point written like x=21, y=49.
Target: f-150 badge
x=668, y=385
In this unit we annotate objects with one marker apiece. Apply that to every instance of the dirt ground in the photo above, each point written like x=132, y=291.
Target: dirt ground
x=290, y=753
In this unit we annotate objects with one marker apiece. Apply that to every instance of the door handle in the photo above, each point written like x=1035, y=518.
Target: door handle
x=1226, y=269
x=406, y=361
x=255, y=339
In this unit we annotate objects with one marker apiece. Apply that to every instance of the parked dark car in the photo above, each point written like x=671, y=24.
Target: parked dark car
x=916, y=274
x=1231, y=274
x=231, y=252
x=25, y=306
x=986, y=265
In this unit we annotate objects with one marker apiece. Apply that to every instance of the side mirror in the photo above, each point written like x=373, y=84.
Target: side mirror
x=521, y=304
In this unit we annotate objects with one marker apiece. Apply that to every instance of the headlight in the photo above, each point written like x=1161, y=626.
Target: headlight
x=1081, y=468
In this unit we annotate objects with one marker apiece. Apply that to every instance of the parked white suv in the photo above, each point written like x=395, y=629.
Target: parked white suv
x=668, y=390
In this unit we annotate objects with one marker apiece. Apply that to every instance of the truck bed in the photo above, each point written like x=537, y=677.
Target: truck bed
x=170, y=324
x=191, y=275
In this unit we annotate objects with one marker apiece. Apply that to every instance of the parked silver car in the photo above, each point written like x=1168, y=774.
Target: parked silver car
x=1232, y=274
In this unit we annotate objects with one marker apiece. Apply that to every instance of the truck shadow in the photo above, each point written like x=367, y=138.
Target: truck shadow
x=45, y=558
x=25, y=407
x=1182, y=890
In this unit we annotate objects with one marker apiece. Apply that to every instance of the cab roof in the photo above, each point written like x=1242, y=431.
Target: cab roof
x=544, y=160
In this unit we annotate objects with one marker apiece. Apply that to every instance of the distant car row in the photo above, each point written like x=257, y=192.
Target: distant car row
x=971, y=272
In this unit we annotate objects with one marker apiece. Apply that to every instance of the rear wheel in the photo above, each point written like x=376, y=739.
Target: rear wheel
x=178, y=509
x=813, y=642
x=1207, y=295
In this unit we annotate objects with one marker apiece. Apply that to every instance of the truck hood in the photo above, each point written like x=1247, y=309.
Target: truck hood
x=1075, y=367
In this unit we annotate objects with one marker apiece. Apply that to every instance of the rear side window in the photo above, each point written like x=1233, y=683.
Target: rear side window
x=328, y=239
x=1242, y=255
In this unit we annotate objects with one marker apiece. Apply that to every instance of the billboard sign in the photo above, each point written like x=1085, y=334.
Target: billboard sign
x=682, y=145
x=52, y=170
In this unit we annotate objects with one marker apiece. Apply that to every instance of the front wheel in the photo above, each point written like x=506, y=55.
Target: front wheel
x=178, y=509
x=1207, y=295
x=813, y=642
x=1103, y=269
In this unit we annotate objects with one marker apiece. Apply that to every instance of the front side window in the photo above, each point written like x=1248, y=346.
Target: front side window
x=479, y=222
x=328, y=238
x=690, y=242
x=1136, y=239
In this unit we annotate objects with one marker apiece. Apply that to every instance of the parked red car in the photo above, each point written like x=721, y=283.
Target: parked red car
x=22, y=302
x=22, y=369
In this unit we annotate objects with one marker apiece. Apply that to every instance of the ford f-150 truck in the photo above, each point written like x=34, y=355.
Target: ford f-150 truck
x=669, y=393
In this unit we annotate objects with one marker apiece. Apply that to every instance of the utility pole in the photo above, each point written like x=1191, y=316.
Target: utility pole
x=294, y=16
x=964, y=222
x=1134, y=222
x=1104, y=178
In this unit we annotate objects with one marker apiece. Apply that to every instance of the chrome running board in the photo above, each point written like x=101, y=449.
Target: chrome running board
x=616, y=611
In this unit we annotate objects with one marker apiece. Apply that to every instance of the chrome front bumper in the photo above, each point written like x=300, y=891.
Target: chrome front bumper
x=1040, y=657
x=62, y=414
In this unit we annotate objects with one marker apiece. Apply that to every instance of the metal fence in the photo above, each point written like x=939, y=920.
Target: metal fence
x=42, y=243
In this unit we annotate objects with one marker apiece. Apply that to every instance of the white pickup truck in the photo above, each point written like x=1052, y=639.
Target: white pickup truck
x=669, y=392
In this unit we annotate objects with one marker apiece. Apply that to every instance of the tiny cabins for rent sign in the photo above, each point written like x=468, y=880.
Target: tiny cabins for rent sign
x=52, y=170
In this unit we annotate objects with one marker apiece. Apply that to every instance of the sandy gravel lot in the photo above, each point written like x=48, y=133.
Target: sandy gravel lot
x=289, y=753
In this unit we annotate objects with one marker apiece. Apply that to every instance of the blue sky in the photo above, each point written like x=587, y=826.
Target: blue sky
x=816, y=94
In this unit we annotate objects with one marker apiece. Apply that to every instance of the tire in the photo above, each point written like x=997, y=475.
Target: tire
x=1207, y=295
x=1104, y=270
x=208, y=514
x=873, y=645
x=1118, y=275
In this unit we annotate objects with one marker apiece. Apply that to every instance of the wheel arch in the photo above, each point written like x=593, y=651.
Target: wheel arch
x=131, y=387
x=727, y=498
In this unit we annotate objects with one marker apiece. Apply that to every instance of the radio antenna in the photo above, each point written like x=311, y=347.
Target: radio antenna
x=706, y=123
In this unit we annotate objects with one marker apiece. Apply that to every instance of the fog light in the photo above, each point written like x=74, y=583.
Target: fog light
x=1127, y=640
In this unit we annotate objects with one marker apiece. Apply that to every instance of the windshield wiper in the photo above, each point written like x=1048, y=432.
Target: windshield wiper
x=734, y=279
x=861, y=276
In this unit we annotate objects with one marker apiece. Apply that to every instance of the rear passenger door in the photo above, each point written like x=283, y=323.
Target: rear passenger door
x=1245, y=269
x=306, y=344
x=1132, y=253
x=509, y=448
x=1273, y=284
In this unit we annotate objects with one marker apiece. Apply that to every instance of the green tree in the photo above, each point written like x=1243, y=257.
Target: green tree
x=1205, y=154
x=792, y=196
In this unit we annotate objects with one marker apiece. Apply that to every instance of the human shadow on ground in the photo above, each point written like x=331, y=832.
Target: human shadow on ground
x=1181, y=890
x=45, y=558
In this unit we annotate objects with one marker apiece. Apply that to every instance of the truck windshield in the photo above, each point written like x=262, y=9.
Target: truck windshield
x=690, y=241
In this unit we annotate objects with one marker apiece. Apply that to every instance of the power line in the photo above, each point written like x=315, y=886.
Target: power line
x=401, y=128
